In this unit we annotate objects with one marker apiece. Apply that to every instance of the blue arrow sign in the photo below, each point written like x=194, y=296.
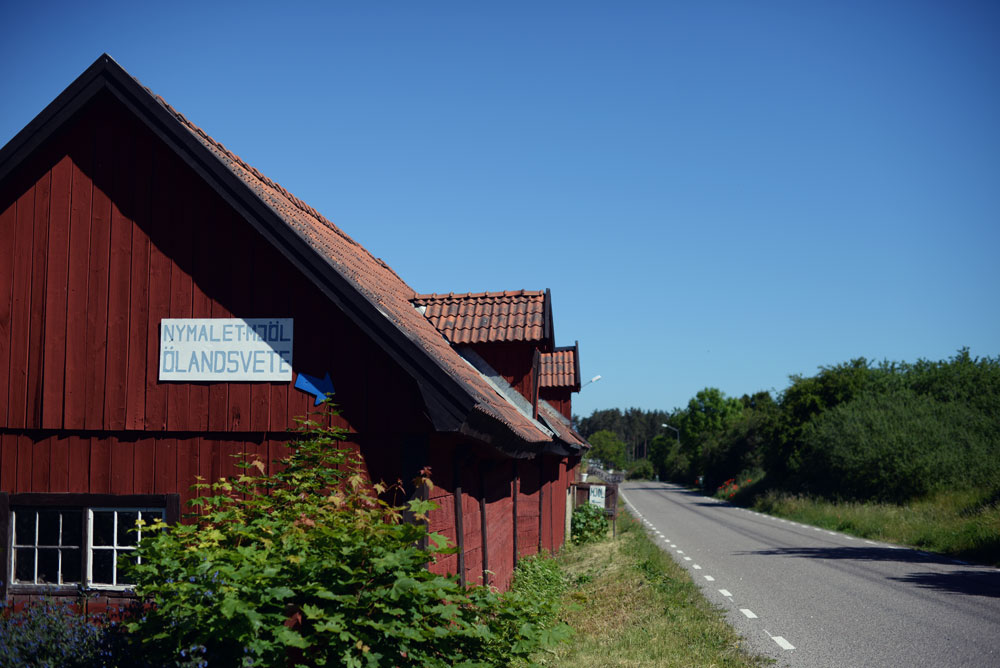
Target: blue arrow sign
x=319, y=387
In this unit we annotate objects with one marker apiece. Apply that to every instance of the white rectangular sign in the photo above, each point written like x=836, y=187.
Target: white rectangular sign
x=597, y=496
x=226, y=349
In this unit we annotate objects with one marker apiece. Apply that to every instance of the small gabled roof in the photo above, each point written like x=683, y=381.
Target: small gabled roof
x=521, y=316
x=561, y=368
x=456, y=397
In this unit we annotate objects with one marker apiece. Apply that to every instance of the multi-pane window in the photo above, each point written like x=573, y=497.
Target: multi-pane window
x=47, y=546
x=60, y=546
x=112, y=537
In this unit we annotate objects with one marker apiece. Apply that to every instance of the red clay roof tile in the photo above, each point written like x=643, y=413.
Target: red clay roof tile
x=488, y=317
x=373, y=278
x=558, y=369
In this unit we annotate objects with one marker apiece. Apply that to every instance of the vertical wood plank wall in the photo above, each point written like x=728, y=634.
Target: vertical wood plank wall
x=103, y=233
x=527, y=508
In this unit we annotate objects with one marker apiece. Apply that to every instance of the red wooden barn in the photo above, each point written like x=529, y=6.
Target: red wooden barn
x=163, y=305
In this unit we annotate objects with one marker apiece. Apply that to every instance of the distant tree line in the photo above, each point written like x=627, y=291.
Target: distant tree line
x=619, y=437
x=890, y=431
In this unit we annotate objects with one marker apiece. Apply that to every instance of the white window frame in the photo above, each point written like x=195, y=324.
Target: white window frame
x=17, y=543
x=85, y=550
x=145, y=514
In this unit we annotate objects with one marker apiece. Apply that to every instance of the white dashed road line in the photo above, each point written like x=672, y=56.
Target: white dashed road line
x=749, y=614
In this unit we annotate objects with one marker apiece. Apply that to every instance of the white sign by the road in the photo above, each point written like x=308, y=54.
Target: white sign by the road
x=226, y=349
x=597, y=496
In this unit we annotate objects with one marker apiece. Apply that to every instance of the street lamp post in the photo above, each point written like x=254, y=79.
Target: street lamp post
x=674, y=429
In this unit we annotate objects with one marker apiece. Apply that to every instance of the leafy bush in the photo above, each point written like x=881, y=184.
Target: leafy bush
x=608, y=448
x=641, y=470
x=897, y=446
x=309, y=566
x=742, y=488
x=589, y=524
x=535, y=595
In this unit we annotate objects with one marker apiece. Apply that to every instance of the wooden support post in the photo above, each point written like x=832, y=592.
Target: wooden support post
x=541, y=502
x=483, y=525
x=459, y=520
x=515, y=486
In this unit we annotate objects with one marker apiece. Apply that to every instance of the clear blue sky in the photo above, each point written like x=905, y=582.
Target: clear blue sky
x=717, y=193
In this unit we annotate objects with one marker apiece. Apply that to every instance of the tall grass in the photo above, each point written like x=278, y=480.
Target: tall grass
x=631, y=605
x=964, y=524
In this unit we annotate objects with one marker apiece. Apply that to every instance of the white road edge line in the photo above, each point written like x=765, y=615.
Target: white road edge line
x=724, y=592
x=710, y=578
x=696, y=567
x=749, y=613
x=782, y=643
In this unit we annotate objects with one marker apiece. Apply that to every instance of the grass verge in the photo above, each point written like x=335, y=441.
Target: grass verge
x=961, y=524
x=630, y=605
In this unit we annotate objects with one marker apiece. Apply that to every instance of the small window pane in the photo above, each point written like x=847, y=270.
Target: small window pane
x=102, y=567
x=24, y=564
x=71, y=528
x=104, y=527
x=48, y=527
x=48, y=566
x=126, y=527
x=24, y=527
x=71, y=565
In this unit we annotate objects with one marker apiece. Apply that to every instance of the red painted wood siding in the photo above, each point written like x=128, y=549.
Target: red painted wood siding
x=500, y=523
x=125, y=462
x=104, y=233
x=560, y=399
x=554, y=503
x=527, y=508
x=513, y=361
x=442, y=520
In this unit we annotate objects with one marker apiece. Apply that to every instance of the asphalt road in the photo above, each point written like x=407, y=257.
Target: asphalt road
x=815, y=598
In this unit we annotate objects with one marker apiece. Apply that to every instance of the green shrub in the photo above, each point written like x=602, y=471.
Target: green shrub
x=641, y=470
x=589, y=524
x=308, y=566
x=535, y=595
x=897, y=446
